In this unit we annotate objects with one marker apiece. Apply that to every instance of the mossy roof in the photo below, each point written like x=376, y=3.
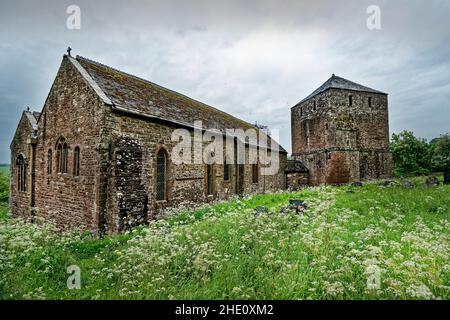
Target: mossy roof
x=32, y=118
x=145, y=97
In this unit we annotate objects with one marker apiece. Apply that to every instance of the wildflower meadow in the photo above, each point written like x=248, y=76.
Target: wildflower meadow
x=370, y=242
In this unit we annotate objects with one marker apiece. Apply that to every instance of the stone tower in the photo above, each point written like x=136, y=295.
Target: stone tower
x=341, y=133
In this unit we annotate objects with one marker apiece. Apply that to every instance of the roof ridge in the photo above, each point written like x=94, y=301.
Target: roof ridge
x=160, y=86
x=328, y=84
x=358, y=84
x=88, y=78
x=112, y=68
x=31, y=118
x=95, y=69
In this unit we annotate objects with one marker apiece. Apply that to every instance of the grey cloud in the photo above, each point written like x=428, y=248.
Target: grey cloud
x=253, y=59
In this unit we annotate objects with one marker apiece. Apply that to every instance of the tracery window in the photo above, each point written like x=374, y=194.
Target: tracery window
x=21, y=168
x=62, y=151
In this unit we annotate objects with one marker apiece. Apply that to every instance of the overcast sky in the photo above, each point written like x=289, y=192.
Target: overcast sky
x=253, y=59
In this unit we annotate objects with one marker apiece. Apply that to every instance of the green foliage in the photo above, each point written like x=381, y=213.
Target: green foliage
x=4, y=187
x=410, y=154
x=3, y=210
x=225, y=251
x=4, y=190
x=4, y=183
x=440, y=149
x=414, y=156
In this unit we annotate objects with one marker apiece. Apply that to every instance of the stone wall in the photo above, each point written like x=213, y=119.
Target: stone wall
x=340, y=143
x=185, y=182
x=115, y=189
x=73, y=111
x=22, y=144
x=297, y=180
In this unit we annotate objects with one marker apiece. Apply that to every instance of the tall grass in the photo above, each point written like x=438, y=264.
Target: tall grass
x=347, y=238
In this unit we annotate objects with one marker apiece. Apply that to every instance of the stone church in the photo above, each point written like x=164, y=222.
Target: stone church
x=99, y=155
x=340, y=132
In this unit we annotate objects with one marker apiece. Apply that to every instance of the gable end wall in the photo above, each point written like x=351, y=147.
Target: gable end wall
x=74, y=111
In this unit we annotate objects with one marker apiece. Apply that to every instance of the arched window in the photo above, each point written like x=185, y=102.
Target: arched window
x=161, y=179
x=58, y=157
x=62, y=151
x=65, y=156
x=226, y=171
x=49, y=162
x=76, y=162
x=21, y=173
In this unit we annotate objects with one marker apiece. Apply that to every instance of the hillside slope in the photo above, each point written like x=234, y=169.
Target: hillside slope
x=372, y=242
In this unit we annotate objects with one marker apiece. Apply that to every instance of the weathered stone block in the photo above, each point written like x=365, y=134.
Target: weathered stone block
x=338, y=142
x=431, y=181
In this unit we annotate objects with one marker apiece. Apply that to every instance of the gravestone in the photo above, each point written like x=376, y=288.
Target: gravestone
x=408, y=184
x=431, y=181
x=298, y=205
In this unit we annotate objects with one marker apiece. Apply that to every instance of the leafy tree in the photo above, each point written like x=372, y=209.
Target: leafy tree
x=4, y=188
x=410, y=154
x=440, y=148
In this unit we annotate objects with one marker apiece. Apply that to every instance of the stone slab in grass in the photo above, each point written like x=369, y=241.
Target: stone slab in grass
x=431, y=181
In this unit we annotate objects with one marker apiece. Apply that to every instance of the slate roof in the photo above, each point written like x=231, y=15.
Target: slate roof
x=129, y=93
x=340, y=83
x=32, y=118
x=295, y=166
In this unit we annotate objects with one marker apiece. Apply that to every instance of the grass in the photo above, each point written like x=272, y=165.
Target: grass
x=348, y=238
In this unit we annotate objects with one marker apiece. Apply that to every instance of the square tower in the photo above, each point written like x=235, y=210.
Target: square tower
x=341, y=133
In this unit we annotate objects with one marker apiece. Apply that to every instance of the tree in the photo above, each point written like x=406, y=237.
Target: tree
x=440, y=148
x=410, y=154
x=4, y=188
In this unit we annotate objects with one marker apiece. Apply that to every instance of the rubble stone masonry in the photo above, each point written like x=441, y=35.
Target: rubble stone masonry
x=116, y=185
x=341, y=143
